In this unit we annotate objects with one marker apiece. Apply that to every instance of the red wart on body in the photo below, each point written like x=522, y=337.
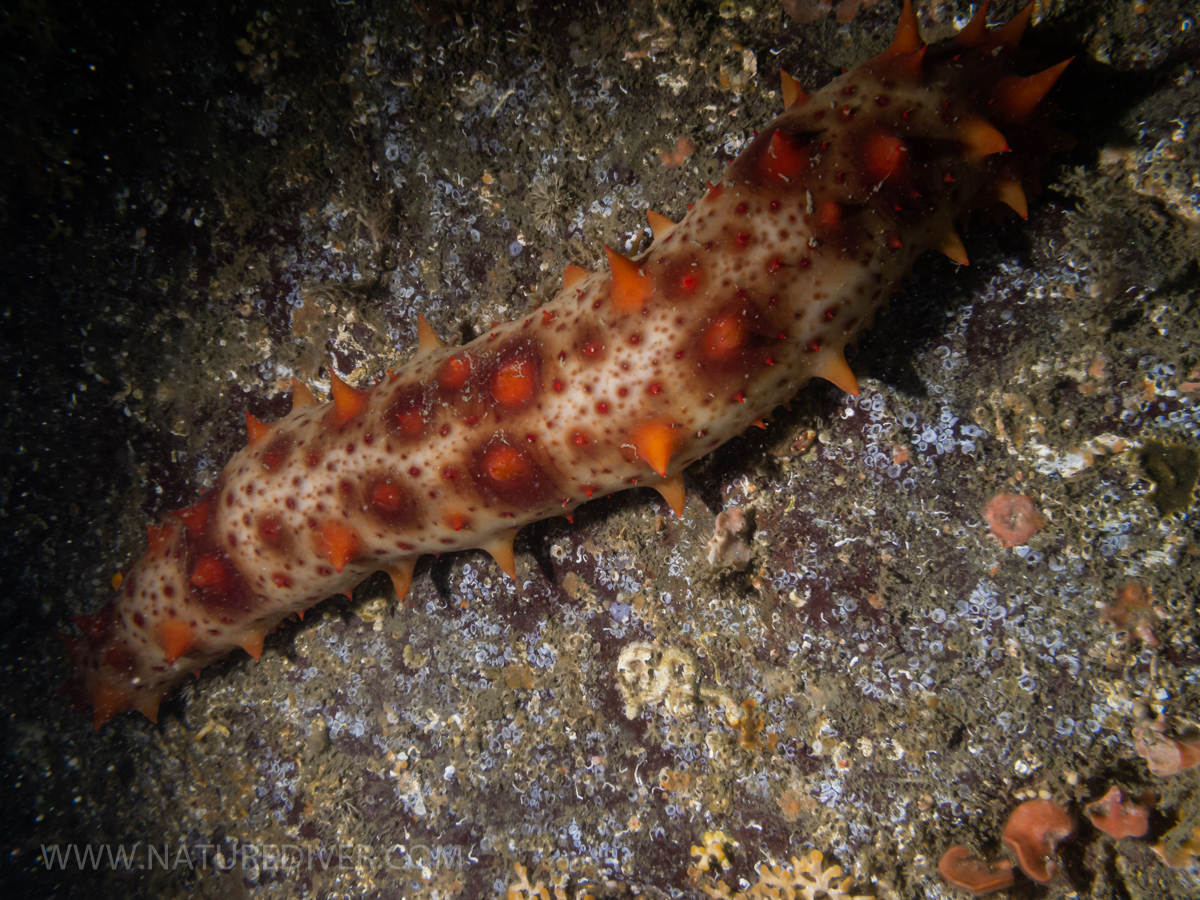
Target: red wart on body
x=625, y=378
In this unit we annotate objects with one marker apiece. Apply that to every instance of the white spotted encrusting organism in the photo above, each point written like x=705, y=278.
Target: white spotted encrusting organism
x=626, y=377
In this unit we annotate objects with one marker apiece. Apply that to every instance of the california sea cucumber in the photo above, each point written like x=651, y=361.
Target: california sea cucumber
x=625, y=378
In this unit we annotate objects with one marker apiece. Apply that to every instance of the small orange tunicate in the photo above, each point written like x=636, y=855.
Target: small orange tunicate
x=676, y=158
x=964, y=870
x=1165, y=756
x=1013, y=518
x=1032, y=832
x=1118, y=816
x=1133, y=613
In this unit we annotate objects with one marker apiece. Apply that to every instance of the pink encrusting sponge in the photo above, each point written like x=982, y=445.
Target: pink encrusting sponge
x=622, y=380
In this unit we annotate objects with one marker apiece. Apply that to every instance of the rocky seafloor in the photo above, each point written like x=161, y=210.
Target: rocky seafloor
x=200, y=204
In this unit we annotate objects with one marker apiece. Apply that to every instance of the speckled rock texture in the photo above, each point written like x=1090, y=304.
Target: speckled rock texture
x=201, y=204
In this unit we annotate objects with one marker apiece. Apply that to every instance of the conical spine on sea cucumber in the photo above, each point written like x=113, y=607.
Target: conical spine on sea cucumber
x=626, y=377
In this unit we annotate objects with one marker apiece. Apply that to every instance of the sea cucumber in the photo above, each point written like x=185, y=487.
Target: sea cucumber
x=625, y=378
